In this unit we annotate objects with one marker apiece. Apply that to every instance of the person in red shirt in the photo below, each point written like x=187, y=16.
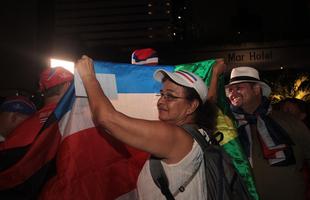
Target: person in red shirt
x=28, y=153
x=53, y=84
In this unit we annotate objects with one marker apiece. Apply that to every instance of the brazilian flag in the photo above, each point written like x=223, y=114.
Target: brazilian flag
x=225, y=123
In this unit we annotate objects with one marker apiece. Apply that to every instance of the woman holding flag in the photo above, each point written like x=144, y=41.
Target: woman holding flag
x=182, y=101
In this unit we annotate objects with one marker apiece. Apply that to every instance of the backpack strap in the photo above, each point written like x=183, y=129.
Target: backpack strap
x=200, y=139
x=160, y=178
x=157, y=171
x=213, y=166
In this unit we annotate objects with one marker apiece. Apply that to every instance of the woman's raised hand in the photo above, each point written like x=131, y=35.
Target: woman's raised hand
x=85, y=67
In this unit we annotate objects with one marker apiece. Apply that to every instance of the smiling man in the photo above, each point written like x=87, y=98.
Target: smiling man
x=276, y=144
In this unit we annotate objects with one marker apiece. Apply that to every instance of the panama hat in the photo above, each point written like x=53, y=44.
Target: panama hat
x=246, y=75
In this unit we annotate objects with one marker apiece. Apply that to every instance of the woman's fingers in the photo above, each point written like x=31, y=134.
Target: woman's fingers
x=84, y=66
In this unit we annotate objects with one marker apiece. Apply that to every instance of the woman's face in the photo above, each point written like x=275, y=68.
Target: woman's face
x=173, y=107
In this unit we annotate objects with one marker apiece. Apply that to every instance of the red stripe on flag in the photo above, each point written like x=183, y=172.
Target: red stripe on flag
x=41, y=151
x=93, y=165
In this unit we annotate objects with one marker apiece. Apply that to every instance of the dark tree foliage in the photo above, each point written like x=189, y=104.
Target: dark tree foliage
x=288, y=83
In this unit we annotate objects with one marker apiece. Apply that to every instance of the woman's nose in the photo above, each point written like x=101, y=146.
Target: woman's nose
x=161, y=99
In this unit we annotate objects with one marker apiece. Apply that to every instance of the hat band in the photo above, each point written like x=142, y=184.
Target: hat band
x=243, y=78
x=187, y=76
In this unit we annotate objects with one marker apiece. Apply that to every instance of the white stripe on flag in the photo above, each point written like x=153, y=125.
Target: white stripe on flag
x=141, y=106
x=79, y=118
x=135, y=105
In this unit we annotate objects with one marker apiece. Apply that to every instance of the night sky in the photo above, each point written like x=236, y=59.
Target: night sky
x=28, y=33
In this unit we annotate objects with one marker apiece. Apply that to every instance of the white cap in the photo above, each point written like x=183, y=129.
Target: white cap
x=184, y=78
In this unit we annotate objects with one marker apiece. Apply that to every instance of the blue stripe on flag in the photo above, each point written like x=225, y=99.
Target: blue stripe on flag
x=66, y=103
x=132, y=78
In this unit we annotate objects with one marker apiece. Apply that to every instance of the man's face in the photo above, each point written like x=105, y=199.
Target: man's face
x=241, y=94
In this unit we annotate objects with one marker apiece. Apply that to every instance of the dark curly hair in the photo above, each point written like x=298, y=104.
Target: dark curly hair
x=206, y=113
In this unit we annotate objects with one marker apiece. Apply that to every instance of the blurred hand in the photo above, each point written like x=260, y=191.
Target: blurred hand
x=85, y=67
x=219, y=66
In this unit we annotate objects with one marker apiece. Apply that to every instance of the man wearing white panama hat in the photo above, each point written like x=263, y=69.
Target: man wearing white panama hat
x=276, y=144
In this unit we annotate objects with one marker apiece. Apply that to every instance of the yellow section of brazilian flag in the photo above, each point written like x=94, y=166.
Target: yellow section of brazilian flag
x=225, y=124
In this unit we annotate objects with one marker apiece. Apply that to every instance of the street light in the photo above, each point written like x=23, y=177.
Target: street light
x=68, y=65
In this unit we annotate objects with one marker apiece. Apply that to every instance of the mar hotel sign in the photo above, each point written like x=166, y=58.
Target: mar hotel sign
x=271, y=56
x=250, y=56
x=267, y=57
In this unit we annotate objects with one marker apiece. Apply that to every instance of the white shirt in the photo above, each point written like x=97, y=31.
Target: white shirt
x=179, y=174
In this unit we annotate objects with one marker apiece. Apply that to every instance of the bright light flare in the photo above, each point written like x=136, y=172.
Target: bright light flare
x=68, y=65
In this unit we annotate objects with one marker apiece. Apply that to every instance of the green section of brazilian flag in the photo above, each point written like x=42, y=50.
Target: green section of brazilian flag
x=225, y=124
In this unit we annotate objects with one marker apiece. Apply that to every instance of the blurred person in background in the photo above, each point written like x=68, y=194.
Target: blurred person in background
x=300, y=110
x=13, y=111
x=297, y=107
x=28, y=153
x=53, y=83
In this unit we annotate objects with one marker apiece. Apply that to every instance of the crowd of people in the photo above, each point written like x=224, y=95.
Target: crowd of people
x=20, y=127
x=275, y=141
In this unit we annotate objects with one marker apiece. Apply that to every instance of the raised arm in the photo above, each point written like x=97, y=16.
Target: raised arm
x=218, y=69
x=158, y=138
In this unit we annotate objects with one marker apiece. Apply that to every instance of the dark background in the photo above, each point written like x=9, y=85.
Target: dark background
x=181, y=31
